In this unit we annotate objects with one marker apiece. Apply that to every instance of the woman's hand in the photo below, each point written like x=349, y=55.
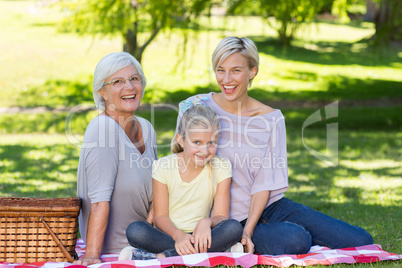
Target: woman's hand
x=184, y=245
x=88, y=260
x=97, y=223
x=257, y=205
x=202, y=235
x=247, y=242
x=150, y=218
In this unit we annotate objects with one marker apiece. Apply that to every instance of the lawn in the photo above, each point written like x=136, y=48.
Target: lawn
x=365, y=188
x=41, y=66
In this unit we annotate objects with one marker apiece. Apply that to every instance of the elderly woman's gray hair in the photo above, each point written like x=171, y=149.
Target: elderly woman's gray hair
x=109, y=65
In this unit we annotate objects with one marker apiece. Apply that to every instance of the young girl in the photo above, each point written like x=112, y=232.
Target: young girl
x=186, y=185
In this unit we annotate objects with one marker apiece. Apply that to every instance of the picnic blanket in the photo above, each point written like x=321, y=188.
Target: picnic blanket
x=317, y=256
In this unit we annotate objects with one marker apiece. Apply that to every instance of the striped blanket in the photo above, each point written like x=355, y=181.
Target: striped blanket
x=317, y=256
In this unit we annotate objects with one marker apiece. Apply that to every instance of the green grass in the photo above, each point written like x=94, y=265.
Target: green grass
x=365, y=188
x=38, y=165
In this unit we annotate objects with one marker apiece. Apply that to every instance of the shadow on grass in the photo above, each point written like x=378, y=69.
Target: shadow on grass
x=55, y=93
x=355, y=23
x=155, y=95
x=335, y=87
x=39, y=171
x=325, y=53
x=45, y=122
x=164, y=119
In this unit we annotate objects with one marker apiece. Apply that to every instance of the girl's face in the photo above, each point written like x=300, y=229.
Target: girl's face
x=233, y=76
x=122, y=99
x=199, y=146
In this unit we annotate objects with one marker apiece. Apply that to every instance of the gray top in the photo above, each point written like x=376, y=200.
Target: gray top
x=256, y=147
x=112, y=169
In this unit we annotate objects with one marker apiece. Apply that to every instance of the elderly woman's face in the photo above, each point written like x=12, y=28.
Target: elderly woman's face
x=123, y=91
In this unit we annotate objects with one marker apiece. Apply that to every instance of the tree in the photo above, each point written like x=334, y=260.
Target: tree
x=137, y=21
x=388, y=22
x=289, y=14
x=370, y=11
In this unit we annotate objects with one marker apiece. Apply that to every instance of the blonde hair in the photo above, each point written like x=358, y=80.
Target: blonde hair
x=109, y=65
x=230, y=45
x=196, y=116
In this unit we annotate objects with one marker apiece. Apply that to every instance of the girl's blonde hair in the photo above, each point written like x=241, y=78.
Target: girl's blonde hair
x=197, y=116
x=230, y=45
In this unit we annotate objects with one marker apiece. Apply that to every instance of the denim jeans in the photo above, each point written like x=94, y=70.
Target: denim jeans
x=286, y=227
x=141, y=234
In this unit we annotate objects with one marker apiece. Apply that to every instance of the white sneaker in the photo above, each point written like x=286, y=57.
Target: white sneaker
x=126, y=253
x=238, y=247
x=132, y=253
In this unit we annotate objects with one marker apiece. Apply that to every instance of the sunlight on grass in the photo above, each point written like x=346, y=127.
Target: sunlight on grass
x=373, y=164
x=327, y=32
x=380, y=190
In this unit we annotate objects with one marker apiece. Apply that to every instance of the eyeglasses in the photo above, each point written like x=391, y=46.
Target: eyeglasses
x=120, y=82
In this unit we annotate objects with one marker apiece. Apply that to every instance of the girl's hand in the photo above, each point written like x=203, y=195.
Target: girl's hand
x=202, y=235
x=183, y=244
x=247, y=242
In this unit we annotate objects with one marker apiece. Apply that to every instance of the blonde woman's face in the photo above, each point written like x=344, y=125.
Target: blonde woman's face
x=233, y=77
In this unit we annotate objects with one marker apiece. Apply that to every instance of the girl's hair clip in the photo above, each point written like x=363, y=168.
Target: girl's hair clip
x=187, y=104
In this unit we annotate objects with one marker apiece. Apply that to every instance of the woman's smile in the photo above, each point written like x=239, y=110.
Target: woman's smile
x=229, y=89
x=129, y=97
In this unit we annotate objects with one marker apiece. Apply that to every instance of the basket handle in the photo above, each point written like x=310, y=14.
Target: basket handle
x=59, y=244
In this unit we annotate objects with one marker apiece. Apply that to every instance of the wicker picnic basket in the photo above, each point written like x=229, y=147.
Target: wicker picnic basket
x=38, y=229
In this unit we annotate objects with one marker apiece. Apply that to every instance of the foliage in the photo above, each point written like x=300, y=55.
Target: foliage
x=325, y=62
x=339, y=7
x=289, y=15
x=138, y=22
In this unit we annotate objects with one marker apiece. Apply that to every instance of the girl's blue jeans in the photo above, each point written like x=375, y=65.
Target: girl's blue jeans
x=286, y=227
x=141, y=234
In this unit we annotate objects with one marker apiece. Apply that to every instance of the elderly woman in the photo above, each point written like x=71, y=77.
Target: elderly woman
x=114, y=171
x=253, y=138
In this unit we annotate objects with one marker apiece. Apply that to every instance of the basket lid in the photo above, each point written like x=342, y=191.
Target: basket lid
x=40, y=204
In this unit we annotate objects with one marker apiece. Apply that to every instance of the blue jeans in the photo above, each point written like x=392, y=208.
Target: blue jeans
x=141, y=234
x=286, y=227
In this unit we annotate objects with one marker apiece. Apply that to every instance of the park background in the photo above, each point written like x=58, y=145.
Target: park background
x=49, y=51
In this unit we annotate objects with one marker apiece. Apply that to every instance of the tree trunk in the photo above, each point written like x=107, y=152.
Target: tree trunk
x=382, y=24
x=285, y=37
x=131, y=37
x=131, y=45
x=371, y=11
